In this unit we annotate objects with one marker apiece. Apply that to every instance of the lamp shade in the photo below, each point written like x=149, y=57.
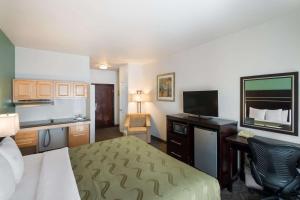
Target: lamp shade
x=9, y=124
x=139, y=97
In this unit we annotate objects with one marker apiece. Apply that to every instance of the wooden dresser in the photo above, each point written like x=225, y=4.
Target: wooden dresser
x=181, y=144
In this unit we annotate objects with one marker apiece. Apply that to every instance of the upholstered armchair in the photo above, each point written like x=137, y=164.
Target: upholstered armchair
x=139, y=125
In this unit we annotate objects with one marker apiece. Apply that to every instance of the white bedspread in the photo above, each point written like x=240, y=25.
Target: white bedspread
x=27, y=188
x=50, y=177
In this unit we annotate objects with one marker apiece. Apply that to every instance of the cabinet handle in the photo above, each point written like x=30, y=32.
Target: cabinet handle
x=79, y=134
x=25, y=142
x=175, y=142
x=176, y=154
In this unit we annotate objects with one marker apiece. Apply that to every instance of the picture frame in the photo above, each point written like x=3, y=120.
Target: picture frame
x=166, y=87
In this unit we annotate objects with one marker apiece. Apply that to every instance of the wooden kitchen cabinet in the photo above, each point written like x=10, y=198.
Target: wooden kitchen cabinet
x=63, y=89
x=24, y=89
x=80, y=89
x=79, y=135
x=26, y=138
x=44, y=89
x=48, y=89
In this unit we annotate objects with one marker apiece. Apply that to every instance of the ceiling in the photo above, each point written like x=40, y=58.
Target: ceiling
x=130, y=31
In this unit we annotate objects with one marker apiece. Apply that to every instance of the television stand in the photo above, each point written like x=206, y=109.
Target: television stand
x=182, y=143
x=204, y=117
x=185, y=115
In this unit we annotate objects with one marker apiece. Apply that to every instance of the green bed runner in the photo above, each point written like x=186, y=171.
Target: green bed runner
x=130, y=169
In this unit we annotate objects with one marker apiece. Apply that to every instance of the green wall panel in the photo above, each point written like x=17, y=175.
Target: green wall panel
x=7, y=73
x=269, y=84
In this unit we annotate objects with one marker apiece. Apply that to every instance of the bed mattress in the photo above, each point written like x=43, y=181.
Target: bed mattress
x=129, y=168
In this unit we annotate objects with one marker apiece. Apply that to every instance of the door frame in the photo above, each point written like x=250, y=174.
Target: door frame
x=113, y=104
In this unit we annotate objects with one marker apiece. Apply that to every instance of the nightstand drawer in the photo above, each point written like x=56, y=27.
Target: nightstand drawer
x=26, y=138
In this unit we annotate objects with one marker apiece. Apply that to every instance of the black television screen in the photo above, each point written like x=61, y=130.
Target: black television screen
x=202, y=103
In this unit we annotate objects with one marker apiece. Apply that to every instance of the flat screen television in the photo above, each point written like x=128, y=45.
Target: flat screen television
x=201, y=103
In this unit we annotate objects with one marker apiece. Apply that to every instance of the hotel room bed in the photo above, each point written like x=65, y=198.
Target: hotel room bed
x=128, y=168
x=121, y=168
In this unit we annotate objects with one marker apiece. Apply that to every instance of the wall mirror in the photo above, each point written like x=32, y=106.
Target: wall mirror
x=270, y=102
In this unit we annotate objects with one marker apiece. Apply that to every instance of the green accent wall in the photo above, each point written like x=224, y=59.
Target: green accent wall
x=269, y=84
x=7, y=73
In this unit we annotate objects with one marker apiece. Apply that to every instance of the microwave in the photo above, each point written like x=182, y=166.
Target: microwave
x=180, y=128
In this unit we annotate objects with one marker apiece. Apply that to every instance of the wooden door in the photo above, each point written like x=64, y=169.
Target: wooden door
x=104, y=104
x=63, y=89
x=80, y=89
x=44, y=89
x=24, y=89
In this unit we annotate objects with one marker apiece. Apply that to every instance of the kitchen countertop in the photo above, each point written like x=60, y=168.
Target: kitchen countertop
x=32, y=124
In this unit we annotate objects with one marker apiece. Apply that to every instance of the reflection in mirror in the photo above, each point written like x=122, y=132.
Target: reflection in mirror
x=270, y=102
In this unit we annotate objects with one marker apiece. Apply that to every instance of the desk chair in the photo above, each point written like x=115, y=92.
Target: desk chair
x=273, y=167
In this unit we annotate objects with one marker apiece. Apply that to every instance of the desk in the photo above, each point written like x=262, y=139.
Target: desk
x=238, y=143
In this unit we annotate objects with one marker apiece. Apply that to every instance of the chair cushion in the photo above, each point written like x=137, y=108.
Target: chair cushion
x=136, y=130
x=137, y=121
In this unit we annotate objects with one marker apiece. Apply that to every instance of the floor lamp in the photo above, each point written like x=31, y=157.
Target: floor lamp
x=139, y=97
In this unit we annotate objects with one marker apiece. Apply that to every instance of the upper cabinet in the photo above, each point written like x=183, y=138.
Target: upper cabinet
x=24, y=89
x=48, y=89
x=80, y=89
x=44, y=90
x=63, y=89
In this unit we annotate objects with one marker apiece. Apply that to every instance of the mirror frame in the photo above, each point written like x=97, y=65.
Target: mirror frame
x=295, y=97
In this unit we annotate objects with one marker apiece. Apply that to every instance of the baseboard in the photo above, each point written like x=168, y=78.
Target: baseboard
x=158, y=139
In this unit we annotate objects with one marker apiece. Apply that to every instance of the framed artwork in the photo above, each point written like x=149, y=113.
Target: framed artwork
x=166, y=87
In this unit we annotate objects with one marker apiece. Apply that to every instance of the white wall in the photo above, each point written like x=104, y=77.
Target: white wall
x=123, y=97
x=272, y=47
x=107, y=77
x=92, y=113
x=40, y=64
x=136, y=81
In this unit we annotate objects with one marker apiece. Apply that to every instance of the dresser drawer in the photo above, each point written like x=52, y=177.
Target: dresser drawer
x=178, y=140
x=180, y=153
x=26, y=138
